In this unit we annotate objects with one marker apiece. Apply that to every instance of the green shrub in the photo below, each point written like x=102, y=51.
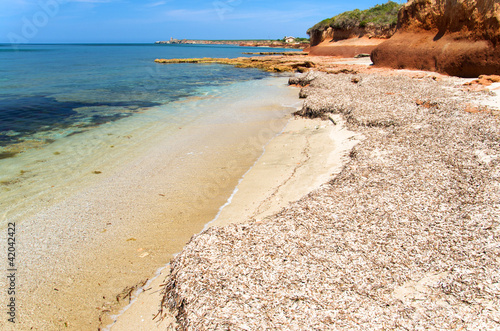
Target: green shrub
x=380, y=15
x=302, y=40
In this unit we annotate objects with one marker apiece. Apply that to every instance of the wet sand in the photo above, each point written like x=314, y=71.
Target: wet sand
x=306, y=154
x=282, y=174
x=81, y=256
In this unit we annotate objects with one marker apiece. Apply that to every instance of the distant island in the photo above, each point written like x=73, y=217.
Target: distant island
x=286, y=42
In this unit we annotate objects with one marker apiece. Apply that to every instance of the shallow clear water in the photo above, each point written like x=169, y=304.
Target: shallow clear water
x=111, y=162
x=67, y=111
x=51, y=91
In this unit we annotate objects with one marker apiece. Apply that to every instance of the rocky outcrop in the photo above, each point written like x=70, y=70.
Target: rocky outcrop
x=354, y=32
x=370, y=30
x=456, y=37
x=349, y=47
x=266, y=63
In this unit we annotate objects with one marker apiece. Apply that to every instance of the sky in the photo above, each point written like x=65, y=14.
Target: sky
x=145, y=21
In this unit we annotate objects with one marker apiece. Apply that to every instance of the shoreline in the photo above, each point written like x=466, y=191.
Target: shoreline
x=382, y=236
x=249, y=195
x=146, y=303
x=251, y=200
x=260, y=209
x=248, y=43
x=82, y=254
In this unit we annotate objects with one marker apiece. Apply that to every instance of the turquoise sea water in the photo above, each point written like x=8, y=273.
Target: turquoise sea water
x=110, y=162
x=69, y=110
x=52, y=91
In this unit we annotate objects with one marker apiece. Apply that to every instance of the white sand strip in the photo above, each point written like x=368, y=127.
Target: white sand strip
x=305, y=155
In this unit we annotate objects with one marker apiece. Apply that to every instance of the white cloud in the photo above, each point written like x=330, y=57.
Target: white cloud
x=90, y=1
x=189, y=15
x=275, y=15
x=156, y=4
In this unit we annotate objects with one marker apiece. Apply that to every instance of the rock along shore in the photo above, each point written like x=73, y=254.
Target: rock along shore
x=407, y=236
x=280, y=63
x=266, y=63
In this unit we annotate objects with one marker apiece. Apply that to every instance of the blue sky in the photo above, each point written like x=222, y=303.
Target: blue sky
x=60, y=21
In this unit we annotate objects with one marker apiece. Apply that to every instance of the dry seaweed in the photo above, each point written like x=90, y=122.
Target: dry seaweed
x=407, y=236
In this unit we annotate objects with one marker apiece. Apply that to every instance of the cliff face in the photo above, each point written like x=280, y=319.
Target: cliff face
x=461, y=19
x=333, y=34
x=457, y=37
x=354, y=32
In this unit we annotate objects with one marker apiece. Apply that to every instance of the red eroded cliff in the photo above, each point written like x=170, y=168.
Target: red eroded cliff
x=369, y=31
x=353, y=32
x=348, y=42
x=456, y=37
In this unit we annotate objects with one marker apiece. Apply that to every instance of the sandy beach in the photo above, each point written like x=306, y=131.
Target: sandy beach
x=314, y=174
x=343, y=173
x=86, y=248
x=405, y=236
x=306, y=154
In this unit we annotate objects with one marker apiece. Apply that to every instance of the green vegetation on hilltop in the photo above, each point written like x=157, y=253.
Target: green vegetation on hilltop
x=297, y=40
x=380, y=15
x=302, y=40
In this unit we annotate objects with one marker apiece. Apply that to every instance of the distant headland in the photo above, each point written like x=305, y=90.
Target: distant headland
x=286, y=42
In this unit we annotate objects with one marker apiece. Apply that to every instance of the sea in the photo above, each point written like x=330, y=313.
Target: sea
x=61, y=103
